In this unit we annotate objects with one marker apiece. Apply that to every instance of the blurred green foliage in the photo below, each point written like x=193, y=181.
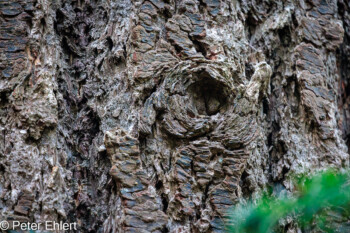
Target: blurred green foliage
x=321, y=204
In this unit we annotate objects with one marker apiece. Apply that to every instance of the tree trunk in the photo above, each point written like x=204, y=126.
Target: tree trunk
x=158, y=116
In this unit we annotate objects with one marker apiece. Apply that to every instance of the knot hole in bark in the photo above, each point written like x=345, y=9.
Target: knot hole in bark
x=208, y=95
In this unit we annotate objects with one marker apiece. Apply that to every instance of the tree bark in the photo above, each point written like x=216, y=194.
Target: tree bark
x=160, y=115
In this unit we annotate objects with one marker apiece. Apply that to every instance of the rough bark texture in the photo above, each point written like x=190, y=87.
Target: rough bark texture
x=159, y=115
